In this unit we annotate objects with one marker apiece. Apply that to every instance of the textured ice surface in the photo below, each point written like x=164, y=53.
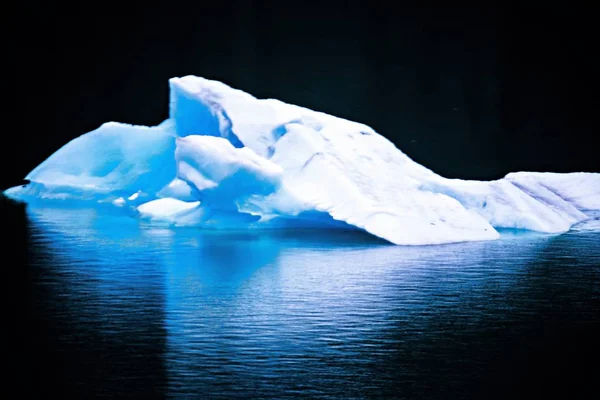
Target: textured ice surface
x=227, y=160
x=114, y=161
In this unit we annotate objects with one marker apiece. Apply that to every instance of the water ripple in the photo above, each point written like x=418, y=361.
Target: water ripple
x=141, y=310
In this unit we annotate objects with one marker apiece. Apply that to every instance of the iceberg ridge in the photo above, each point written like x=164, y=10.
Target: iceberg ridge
x=227, y=160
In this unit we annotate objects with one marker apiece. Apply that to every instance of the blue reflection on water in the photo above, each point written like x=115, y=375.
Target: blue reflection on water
x=188, y=312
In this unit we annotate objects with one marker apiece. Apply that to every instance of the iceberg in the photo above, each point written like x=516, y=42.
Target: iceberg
x=227, y=160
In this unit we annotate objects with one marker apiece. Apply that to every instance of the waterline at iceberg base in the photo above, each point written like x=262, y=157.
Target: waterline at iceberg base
x=226, y=160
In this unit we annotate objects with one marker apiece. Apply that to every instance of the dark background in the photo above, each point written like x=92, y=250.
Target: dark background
x=469, y=92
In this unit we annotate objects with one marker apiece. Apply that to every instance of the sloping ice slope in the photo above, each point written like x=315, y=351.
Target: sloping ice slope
x=225, y=159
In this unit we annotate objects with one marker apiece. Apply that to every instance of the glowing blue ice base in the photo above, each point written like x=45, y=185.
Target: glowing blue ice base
x=226, y=160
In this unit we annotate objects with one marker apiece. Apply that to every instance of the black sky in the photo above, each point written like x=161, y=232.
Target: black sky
x=468, y=92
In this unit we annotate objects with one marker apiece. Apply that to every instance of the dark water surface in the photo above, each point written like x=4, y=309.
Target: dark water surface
x=119, y=308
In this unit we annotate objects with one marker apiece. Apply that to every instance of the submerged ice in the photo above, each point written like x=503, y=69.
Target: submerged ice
x=227, y=160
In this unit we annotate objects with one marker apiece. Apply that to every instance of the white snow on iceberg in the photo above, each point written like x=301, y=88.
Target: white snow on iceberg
x=227, y=160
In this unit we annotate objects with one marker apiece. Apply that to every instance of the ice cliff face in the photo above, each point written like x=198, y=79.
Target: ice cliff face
x=225, y=159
